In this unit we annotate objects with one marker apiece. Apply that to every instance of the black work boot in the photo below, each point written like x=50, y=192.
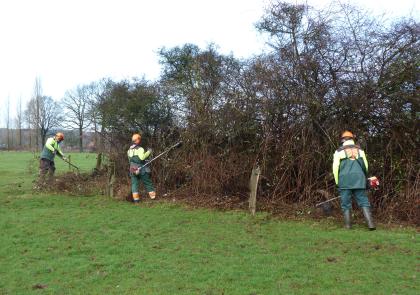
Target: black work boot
x=368, y=218
x=347, y=219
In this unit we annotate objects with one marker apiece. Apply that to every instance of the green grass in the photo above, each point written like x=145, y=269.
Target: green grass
x=95, y=245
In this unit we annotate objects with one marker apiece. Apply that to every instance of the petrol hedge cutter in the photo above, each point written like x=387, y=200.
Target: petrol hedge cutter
x=371, y=183
x=137, y=170
x=327, y=201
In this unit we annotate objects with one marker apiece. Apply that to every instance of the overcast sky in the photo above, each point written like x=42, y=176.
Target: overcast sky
x=71, y=42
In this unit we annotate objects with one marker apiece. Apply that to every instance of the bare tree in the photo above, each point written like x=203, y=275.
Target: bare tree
x=94, y=114
x=19, y=120
x=28, y=122
x=94, y=117
x=8, y=122
x=76, y=104
x=35, y=113
x=43, y=114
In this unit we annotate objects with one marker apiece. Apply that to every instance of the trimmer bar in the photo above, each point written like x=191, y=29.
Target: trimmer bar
x=163, y=153
x=137, y=171
x=327, y=201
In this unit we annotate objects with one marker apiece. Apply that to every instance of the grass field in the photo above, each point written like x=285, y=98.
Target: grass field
x=56, y=244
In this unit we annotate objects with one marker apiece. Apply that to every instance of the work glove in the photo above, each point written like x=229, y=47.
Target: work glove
x=150, y=150
x=64, y=158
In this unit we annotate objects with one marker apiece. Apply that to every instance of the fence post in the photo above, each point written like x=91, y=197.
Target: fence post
x=253, y=186
x=99, y=161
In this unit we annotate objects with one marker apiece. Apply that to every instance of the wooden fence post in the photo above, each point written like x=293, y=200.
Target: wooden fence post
x=253, y=187
x=98, y=161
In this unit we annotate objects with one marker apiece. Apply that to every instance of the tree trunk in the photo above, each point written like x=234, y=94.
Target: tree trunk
x=43, y=137
x=8, y=138
x=20, y=137
x=81, y=140
x=36, y=140
x=95, y=137
x=101, y=143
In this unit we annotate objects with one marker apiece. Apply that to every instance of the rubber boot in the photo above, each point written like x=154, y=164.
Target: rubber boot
x=136, y=197
x=347, y=219
x=368, y=218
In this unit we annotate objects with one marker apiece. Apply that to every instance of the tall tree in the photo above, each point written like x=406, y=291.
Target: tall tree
x=94, y=114
x=19, y=120
x=35, y=113
x=29, y=123
x=76, y=104
x=7, y=117
x=44, y=114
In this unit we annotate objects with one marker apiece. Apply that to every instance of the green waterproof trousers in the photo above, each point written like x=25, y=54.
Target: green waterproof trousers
x=360, y=196
x=145, y=179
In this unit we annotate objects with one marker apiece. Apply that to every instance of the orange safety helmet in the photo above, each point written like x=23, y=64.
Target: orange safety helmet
x=136, y=138
x=59, y=136
x=347, y=134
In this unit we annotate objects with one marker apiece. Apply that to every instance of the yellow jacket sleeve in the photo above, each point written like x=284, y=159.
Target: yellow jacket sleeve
x=49, y=144
x=143, y=155
x=139, y=153
x=336, y=166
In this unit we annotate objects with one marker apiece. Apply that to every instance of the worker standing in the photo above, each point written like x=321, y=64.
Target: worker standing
x=350, y=168
x=46, y=163
x=137, y=158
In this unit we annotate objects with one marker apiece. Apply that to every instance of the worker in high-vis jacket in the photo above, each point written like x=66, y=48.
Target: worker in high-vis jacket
x=50, y=150
x=137, y=157
x=350, y=169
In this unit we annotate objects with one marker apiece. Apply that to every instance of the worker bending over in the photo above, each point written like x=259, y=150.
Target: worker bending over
x=46, y=163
